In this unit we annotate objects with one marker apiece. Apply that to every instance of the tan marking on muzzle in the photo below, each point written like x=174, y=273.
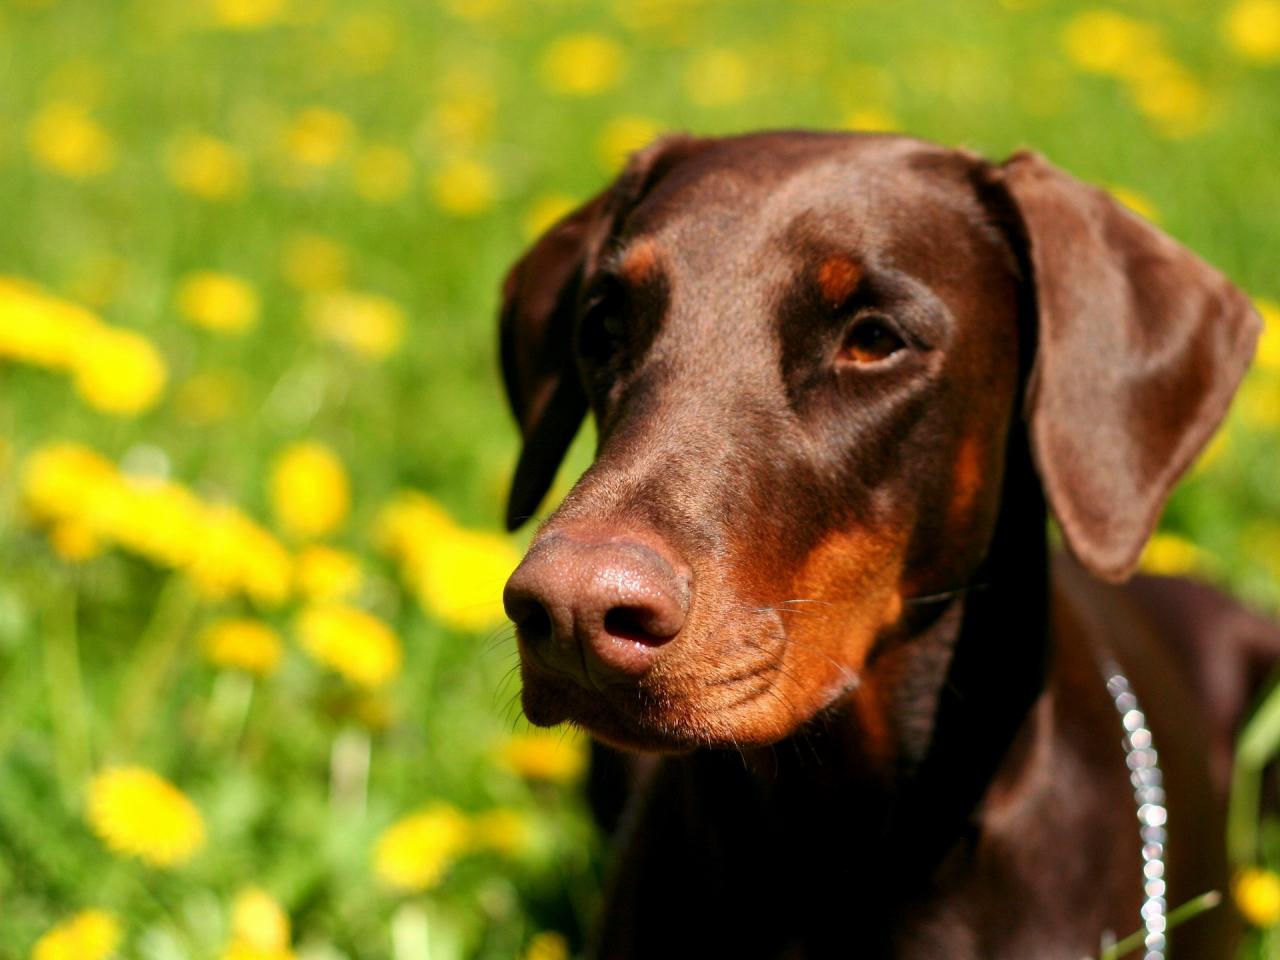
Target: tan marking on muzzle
x=968, y=476
x=855, y=574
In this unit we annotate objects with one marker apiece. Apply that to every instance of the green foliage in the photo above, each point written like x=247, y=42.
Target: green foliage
x=444, y=131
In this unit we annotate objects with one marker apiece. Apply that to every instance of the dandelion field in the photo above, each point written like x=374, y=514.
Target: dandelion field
x=256, y=697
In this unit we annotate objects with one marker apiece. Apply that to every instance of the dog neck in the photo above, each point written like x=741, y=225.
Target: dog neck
x=951, y=707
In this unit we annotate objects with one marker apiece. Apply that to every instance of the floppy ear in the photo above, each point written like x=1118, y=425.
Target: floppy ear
x=535, y=328
x=540, y=300
x=1140, y=347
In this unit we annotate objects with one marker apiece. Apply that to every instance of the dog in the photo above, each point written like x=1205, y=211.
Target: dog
x=849, y=697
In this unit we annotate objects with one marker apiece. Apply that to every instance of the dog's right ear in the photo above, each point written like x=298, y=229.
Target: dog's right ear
x=539, y=306
x=540, y=301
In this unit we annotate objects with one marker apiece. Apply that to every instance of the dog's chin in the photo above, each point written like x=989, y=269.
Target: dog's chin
x=649, y=723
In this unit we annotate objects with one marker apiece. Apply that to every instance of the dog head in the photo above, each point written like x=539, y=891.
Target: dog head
x=805, y=355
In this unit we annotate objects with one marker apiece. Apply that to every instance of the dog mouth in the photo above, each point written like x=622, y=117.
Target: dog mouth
x=750, y=706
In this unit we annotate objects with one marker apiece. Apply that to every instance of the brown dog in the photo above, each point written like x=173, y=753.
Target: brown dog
x=836, y=379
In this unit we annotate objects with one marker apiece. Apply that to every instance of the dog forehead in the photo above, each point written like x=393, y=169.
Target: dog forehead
x=767, y=203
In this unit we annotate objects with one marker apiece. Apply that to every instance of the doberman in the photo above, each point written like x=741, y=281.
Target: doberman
x=848, y=700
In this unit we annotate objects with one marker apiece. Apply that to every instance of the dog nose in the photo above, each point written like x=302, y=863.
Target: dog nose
x=596, y=608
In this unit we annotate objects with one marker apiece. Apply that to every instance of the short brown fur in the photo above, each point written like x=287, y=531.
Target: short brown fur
x=854, y=705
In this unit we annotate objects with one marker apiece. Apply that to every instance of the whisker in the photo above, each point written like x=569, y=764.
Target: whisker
x=947, y=594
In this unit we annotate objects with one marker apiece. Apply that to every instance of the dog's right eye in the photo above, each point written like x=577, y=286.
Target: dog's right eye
x=604, y=327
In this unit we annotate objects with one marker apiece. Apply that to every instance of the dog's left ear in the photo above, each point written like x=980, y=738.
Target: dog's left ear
x=1140, y=346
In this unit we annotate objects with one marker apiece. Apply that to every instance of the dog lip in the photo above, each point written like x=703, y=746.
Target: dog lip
x=535, y=662
x=560, y=697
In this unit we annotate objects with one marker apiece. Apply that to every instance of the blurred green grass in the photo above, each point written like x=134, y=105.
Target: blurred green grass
x=424, y=143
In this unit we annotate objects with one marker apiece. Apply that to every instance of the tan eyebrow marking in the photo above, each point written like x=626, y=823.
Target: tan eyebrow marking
x=640, y=262
x=838, y=278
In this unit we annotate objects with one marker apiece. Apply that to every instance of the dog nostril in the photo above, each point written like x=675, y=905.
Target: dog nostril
x=634, y=623
x=533, y=623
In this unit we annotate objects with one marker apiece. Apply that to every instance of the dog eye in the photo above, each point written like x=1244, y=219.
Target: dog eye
x=614, y=325
x=604, y=327
x=871, y=340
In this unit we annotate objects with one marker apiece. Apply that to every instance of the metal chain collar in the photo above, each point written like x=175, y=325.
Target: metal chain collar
x=1148, y=794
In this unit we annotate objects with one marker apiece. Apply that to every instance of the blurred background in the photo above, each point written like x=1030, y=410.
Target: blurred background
x=256, y=693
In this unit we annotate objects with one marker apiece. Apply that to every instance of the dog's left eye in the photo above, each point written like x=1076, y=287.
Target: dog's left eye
x=870, y=340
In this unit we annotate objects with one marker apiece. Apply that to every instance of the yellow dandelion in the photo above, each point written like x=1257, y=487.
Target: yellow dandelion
x=228, y=554
x=1257, y=895
x=382, y=173
x=310, y=492
x=118, y=371
x=137, y=813
x=1170, y=555
x=503, y=831
x=208, y=397
x=415, y=853
x=60, y=480
x=247, y=14
x=1174, y=100
x=407, y=522
x=367, y=41
x=206, y=167
x=327, y=573
x=218, y=301
x=75, y=541
x=1268, y=356
x=220, y=549
x=622, y=136
x=313, y=262
x=318, y=137
x=65, y=139
x=365, y=323
x=242, y=644
x=547, y=945
x=545, y=211
x=1252, y=30
x=555, y=756
x=1258, y=402
x=717, y=78
x=353, y=643
x=1104, y=41
x=464, y=187
x=1137, y=202
x=465, y=119
x=259, y=921
x=456, y=573
x=114, y=370
x=461, y=575
x=89, y=935
x=582, y=64
x=871, y=119
x=233, y=556
x=41, y=329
